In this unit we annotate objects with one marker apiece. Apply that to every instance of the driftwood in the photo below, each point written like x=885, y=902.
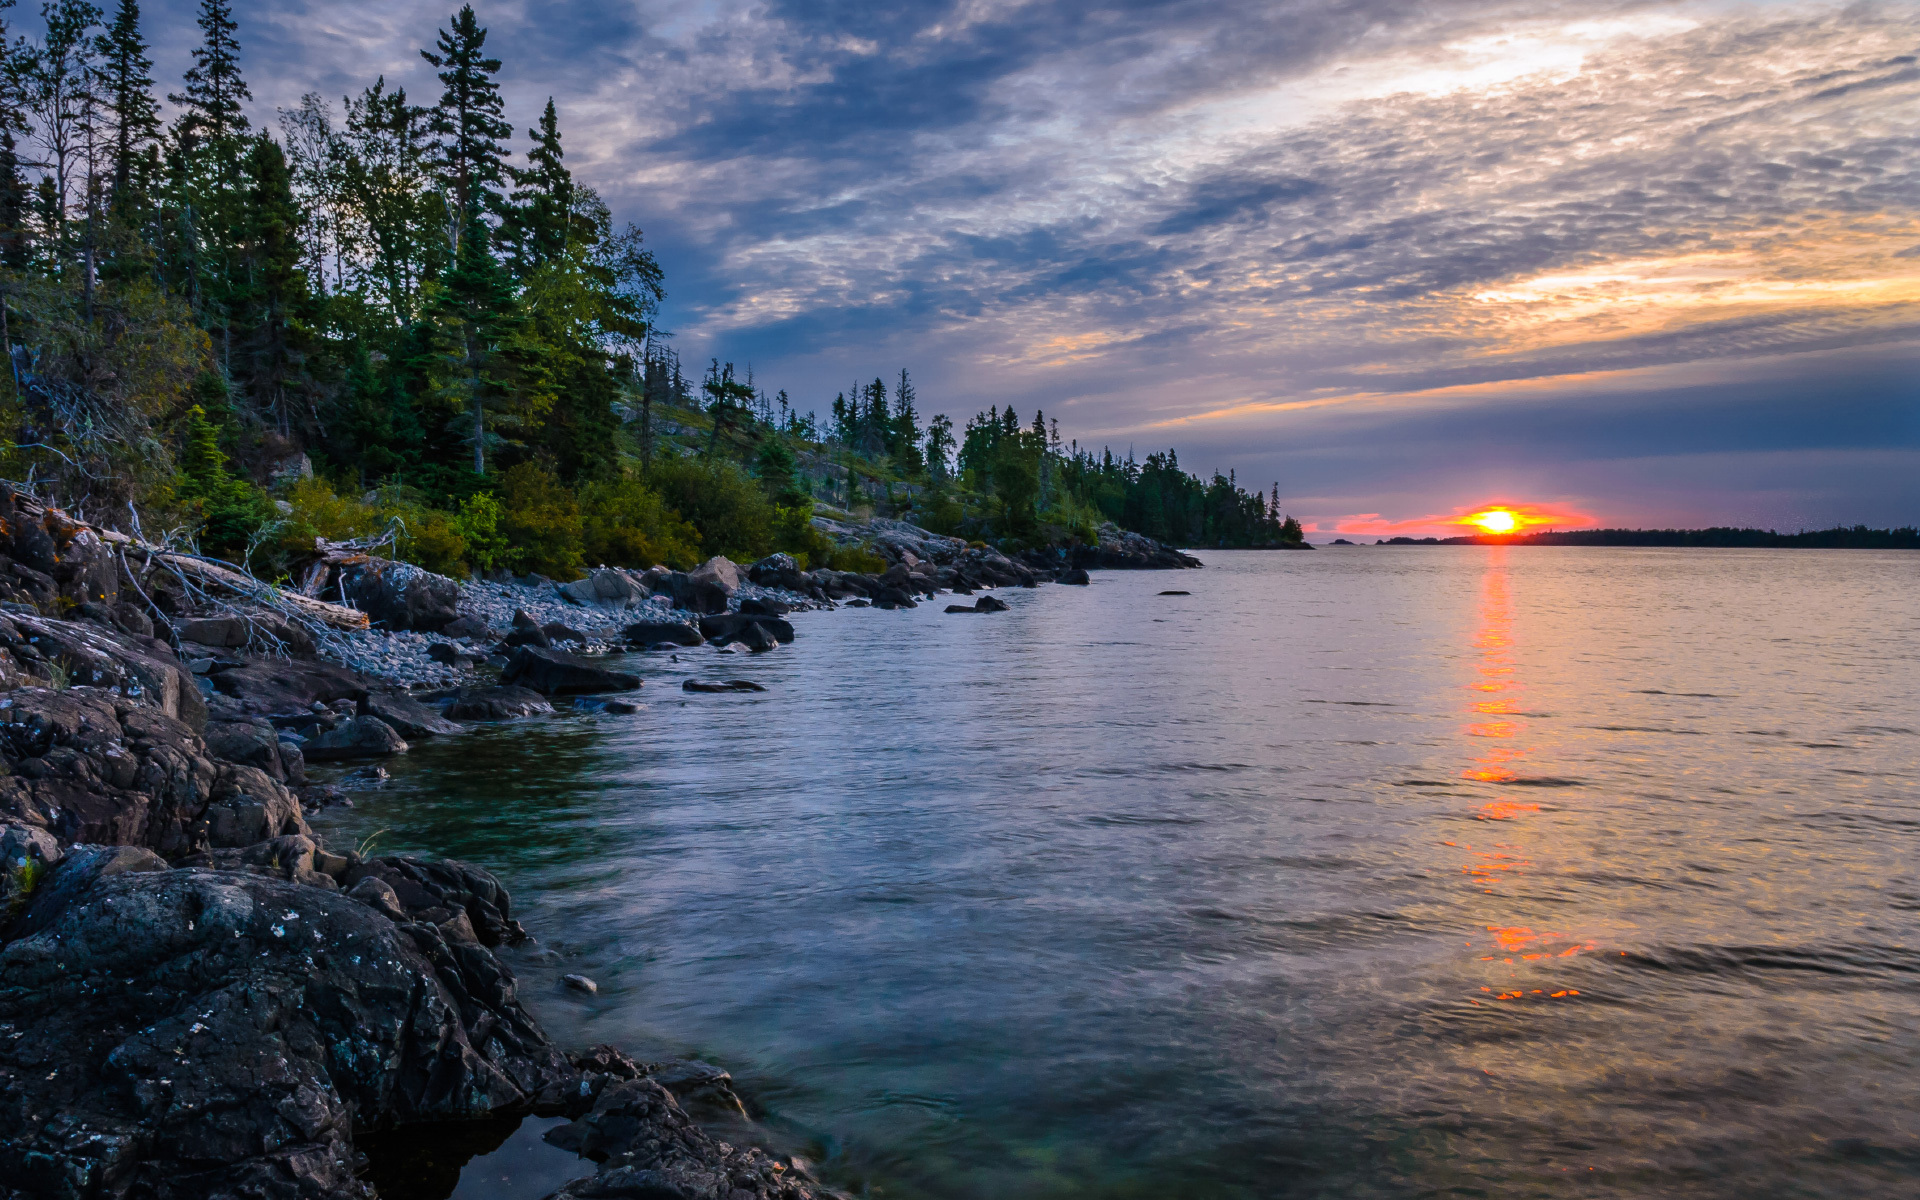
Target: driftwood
x=206, y=573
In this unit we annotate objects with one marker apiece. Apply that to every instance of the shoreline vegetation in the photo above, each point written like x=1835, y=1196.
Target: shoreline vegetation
x=1854, y=537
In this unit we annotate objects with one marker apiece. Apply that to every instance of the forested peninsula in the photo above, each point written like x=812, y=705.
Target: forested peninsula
x=376, y=316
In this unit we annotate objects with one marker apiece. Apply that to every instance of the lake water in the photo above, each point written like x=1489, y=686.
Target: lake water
x=1395, y=872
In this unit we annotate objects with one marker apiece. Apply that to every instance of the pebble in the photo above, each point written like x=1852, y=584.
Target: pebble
x=580, y=983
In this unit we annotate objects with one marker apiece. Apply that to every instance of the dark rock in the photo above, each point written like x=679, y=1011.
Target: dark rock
x=497, y=704
x=625, y=708
x=778, y=570
x=270, y=686
x=360, y=737
x=433, y=889
x=1118, y=549
x=452, y=655
x=522, y=619
x=255, y=744
x=142, y=670
x=199, y=1033
x=557, y=632
x=763, y=607
x=217, y=632
x=528, y=637
x=707, y=596
x=652, y=633
x=555, y=672
x=408, y=716
x=26, y=855
x=1074, y=575
x=651, y=1149
x=1176, y=593
x=731, y=685
x=893, y=597
x=732, y=627
x=990, y=604
x=580, y=983
x=90, y=766
x=400, y=595
x=465, y=627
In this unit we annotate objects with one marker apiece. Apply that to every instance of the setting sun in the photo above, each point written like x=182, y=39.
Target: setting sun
x=1496, y=520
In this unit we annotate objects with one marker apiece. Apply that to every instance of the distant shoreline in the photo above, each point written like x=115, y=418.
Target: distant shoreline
x=1856, y=537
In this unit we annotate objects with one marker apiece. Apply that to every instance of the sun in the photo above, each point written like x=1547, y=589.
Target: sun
x=1496, y=520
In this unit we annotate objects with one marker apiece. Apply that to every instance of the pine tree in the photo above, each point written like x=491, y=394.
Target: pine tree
x=386, y=147
x=61, y=95
x=275, y=288
x=132, y=113
x=539, y=225
x=468, y=118
x=215, y=91
x=16, y=208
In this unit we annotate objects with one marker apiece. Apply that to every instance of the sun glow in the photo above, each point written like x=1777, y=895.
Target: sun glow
x=1496, y=520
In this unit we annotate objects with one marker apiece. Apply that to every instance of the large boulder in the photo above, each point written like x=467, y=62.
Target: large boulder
x=195, y=1033
x=399, y=595
x=555, y=672
x=606, y=588
x=255, y=743
x=408, y=716
x=276, y=686
x=140, y=669
x=717, y=570
x=651, y=633
x=358, y=737
x=90, y=766
x=778, y=571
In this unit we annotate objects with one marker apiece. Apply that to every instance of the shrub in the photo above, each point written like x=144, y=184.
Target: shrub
x=727, y=507
x=540, y=522
x=478, y=523
x=856, y=558
x=626, y=524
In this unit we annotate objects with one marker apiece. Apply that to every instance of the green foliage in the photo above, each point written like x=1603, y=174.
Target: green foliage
x=725, y=504
x=228, y=510
x=540, y=522
x=478, y=524
x=627, y=524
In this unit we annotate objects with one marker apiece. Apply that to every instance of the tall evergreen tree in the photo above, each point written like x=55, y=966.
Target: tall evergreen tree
x=132, y=113
x=60, y=92
x=471, y=158
x=539, y=225
x=16, y=207
x=215, y=88
x=275, y=288
x=387, y=173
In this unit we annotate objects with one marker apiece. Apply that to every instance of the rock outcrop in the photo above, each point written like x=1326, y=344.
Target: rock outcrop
x=398, y=595
x=555, y=673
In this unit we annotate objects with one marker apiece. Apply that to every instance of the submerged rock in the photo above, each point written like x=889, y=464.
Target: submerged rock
x=652, y=633
x=730, y=685
x=408, y=716
x=357, y=737
x=497, y=704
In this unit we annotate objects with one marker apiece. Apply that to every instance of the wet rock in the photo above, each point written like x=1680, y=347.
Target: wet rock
x=624, y=708
x=143, y=670
x=652, y=633
x=735, y=626
x=730, y=685
x=409, y=717
x=1176, y=593
x=990, y=604
x=760, y=606
x=497, y=704
x=256, y=744
x=778, y=571
x=399, y=595
x=26, y=855
x=1118, y=549
x=649, y=1147
x=433, y=890
x=580, y=983
x=359, y=737
x=196, y=1033
x=1074, y=575
x=893, y=597
x=535, y=636
x=557, y=632
x=554, y=672
x=465, y=627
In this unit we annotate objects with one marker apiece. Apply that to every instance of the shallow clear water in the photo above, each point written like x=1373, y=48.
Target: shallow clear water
x=1366, y=872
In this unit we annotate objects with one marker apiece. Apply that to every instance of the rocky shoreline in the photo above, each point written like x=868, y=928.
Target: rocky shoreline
x=198, y=997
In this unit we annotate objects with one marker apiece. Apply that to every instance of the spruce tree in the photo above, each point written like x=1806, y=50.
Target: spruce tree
x=16, y=208
x=468, y=118
x=539, y=225
x=132, y=112
x=273, y=289
x=215, y=90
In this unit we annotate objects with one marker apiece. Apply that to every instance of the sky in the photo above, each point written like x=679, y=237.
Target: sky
x=1630, y=264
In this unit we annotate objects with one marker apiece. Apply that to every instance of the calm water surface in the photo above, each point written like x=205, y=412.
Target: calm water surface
x=1366, y=872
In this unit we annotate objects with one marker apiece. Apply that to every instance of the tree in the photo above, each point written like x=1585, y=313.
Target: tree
x=903, y=439
x=485, y=365
x=215, y=91
x=16, y=207
x=275, y=286
x=940, y=447
x=541, y=222
x=468, y=118
x=60, y=93
x=386, y=176
x=133, y=115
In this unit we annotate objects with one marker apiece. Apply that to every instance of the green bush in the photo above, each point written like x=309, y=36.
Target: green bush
x=540, y=523
x=627, y=524
x=855, y=558
x=226, y=510
x=724, y=504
